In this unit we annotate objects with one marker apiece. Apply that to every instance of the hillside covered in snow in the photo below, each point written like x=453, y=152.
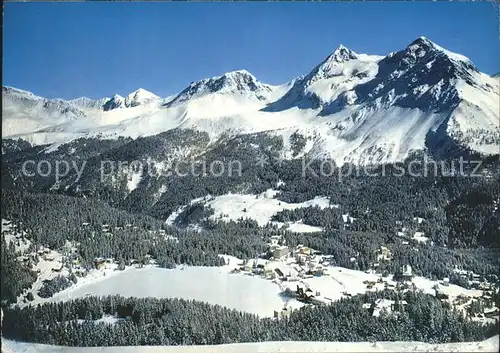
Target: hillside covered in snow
x=351, y=107
x=490, y=345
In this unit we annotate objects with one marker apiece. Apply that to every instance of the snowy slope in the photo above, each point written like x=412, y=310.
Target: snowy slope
x=489, y=345
x=352, y=107
x=338, y=73
x=261, y=208
x=23, y=112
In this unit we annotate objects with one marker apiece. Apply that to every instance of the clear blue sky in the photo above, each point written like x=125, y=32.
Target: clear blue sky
x=69, y=50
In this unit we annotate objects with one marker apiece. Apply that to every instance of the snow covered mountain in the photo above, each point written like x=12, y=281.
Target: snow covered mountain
x=351, y=107
x=235, y=83
x=339, y=72
x=23, y=112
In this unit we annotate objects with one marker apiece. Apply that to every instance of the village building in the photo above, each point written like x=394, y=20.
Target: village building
x=384, y=305
x=384, y=254
x=283, y=313
x=48, y=257
x=99, y=263
x=79, y=272
x=439, y=294
x=248, y=266
x=304, y=250
x=407, y=273
x=57, y=269
x=281, y=252
x=491, y=313
x=171, y=238
x=418, y=220
x=369, y=284
x=420, y=237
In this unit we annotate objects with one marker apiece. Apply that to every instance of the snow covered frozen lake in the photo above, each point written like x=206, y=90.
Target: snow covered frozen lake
x=214, y=285
x=240, y=291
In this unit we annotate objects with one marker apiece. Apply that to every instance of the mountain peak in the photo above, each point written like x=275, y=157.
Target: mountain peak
x=241, y=72
x=239, y=82
x=116, y=101
x=138, y=97
x=13, y=90
x=342, y=54
x=139, y=91
x=423, y=45
x=423, y=40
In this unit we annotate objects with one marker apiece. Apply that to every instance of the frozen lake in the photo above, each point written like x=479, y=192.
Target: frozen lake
x=214, y=285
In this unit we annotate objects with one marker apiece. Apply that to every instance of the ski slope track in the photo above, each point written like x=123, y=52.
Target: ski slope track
x=351, y=107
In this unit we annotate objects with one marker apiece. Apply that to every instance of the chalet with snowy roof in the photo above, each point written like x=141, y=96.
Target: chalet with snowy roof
x=380, y=306
x=407, y=273
x=281, y=252
x=99, y=263
x=283, y=313
x=384, y=254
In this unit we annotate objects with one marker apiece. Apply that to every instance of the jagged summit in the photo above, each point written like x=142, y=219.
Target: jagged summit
x=89, y=103
x=423, y=45
x=237, y=73
x=19, y=93
x=342, y=54
x=237, y=83
x=353, y=105
x=133, y=99
x=115, y=102
x=339, y=72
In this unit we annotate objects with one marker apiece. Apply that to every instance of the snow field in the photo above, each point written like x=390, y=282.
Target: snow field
x=489, y=345
x=261, y=208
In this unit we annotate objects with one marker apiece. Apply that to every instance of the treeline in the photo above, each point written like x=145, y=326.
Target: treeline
x=54, y=285
x=14, y=277
x=428, y=261
x=149, y=321
x=453, y=207
x=458, y=210
x=104, y=231
x=313, y=216
x=52, y=219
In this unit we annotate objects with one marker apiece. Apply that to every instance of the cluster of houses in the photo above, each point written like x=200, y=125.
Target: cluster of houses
x=408, y=235
x=155, y=234
x=475, y=280
x=306, y=294
x=348, y=221
x=388, y=306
